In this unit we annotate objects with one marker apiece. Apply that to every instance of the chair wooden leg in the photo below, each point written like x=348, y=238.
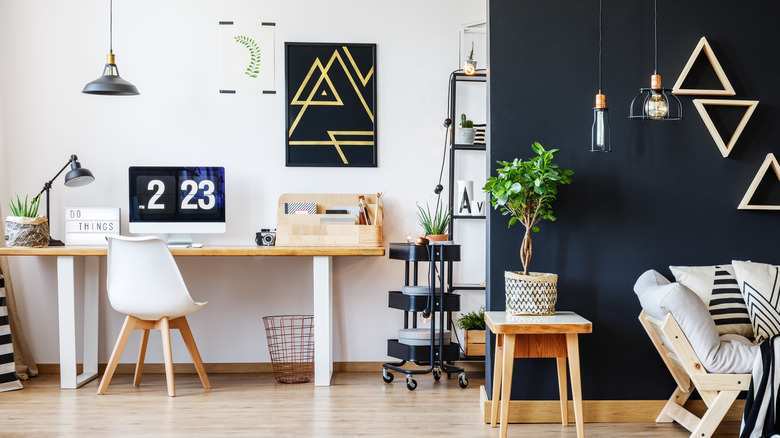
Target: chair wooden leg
x=712, y=418
x=678, y=398
x=121, y=342
x=165, y=329
x=139, y=365
x=189, y=341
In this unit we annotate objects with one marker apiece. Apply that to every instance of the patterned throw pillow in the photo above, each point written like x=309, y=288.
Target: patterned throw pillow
x=760, y=285
x=8, y=379
x=717, y=287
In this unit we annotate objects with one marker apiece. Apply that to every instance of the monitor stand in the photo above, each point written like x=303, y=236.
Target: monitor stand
x=179, y=240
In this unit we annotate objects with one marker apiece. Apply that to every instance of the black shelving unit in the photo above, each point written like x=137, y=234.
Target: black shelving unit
x=456, y=79
x=435, y=355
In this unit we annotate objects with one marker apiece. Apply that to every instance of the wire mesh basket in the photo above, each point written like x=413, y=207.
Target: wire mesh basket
x=291, y=344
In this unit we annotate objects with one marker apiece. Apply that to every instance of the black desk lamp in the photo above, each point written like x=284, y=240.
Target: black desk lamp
x=77, y=177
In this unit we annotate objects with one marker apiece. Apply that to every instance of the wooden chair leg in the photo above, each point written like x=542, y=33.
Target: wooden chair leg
x=139, y=365
x=678, y=398
x=165, y=329
x=712, y=418
x=189, y=341
x=121, y=342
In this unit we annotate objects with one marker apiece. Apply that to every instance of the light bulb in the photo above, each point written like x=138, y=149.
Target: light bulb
x=599, y=136
x=600, y=130
x=656, y=106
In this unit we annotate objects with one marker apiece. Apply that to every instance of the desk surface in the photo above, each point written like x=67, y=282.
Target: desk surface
x=561, y=322
x=207, y=250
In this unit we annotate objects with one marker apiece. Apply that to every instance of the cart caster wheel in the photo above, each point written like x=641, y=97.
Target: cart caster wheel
x=387, y=377
x=436, y=374
x=411, y=384
x=462, y=380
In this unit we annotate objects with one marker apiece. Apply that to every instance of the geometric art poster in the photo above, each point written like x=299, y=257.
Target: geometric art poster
x=331, y=105
x=247, y=58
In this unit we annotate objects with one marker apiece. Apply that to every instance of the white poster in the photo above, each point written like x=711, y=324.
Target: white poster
x=247, y=57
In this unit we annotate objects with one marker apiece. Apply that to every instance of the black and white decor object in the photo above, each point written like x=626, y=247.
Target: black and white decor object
x=465, y=190
x=8, y=379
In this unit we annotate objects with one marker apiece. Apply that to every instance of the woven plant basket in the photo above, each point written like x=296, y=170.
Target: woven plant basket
x=533, y=294
x=26, y=231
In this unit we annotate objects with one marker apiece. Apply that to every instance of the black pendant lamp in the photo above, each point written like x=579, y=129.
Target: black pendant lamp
x=655, y=102
x=110, y=83
x=600, y=133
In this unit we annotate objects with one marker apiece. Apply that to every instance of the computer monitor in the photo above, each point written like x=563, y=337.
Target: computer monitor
x=177, y=200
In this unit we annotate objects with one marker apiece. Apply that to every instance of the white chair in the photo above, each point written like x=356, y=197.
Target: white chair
x=144, y=283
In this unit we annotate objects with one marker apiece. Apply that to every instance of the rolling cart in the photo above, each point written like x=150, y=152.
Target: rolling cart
x=436, y=354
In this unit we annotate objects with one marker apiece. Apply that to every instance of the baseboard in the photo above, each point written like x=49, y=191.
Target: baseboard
x=597, y=411
x=250, y=367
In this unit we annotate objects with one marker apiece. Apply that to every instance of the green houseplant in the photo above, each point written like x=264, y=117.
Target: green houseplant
x=25, y=227
x=434, y=224
x=473, y=326
x=470, y=65
x=525, y=191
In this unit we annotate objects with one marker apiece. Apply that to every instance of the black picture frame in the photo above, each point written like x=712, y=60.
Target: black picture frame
x=330, y=95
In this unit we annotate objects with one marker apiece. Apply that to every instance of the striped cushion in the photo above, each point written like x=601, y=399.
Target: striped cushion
x=8, y=379
x=718, y=288
x=761, y=288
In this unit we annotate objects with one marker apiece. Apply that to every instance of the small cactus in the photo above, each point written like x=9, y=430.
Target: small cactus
x=465, y=123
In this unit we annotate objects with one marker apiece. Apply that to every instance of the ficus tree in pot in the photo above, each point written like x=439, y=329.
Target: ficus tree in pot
x=525, y=190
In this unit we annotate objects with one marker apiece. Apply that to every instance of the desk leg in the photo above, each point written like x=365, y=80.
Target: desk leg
x=506, y=381
x=497, y=374
x=66, y=298
x=573, y=350
x=323, y=320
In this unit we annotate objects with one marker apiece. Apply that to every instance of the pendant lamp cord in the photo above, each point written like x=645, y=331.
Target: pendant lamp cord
x=111, y=28
x=655, y=33
x=600, y=34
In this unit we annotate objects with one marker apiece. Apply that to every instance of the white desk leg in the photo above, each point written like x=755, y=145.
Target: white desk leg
x=66, y=299
x=323, y=320
x=91, y=299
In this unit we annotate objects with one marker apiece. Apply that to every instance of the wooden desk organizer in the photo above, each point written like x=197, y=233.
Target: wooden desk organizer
x=309, y=230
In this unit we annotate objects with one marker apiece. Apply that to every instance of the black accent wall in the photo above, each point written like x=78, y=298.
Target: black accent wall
x=664, y=196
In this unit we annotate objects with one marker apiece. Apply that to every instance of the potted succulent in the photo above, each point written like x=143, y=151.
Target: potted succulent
x=434, y=224
x=25, y=227
x=473, y=326
x=525, y=191
x=466, y=131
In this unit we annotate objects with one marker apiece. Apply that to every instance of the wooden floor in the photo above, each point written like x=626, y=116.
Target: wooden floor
x=254, y=405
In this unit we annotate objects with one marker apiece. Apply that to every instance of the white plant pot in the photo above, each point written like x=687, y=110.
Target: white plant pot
x=465, y=136
x=533, y=294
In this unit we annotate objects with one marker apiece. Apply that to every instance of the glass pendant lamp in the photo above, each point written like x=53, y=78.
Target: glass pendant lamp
x=600, y=132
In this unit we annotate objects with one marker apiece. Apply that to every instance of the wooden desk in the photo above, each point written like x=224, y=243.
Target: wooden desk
x=66, y=298
x=537, y=336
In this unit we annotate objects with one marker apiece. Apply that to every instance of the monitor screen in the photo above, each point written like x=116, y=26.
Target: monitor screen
x=177, y=199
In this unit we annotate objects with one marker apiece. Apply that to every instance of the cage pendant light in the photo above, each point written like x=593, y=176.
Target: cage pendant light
x=110, y=83
x=656, y=102
x=600, y=139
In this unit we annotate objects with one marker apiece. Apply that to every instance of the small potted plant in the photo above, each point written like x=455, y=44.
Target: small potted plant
x=525, y=191
x=25, y=227
x=434, y=224
x=473, y=326
x=466, y=131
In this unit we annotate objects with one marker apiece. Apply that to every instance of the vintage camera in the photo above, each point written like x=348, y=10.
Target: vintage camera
x=266, y=237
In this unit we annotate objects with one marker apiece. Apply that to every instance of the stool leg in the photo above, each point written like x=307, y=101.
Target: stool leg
x=573, y=350
x=497, y=374
x=506, y=383
x=563, y=391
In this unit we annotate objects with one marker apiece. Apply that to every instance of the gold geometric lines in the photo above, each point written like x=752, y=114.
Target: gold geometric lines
x=745, y=203
x=338, y=143
x=727, y=90
x=725, y=149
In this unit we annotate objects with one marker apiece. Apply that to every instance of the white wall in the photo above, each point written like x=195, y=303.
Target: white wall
x=171, y=51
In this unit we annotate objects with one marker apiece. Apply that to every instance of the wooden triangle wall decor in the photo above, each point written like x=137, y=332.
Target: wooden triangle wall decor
x=745, y=204
x=725, y=148
x=727, y=90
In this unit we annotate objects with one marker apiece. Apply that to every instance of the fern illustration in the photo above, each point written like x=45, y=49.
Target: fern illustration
x=254, y=53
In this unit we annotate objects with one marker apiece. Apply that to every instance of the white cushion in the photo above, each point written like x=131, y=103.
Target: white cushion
x=717, y=287
x=727, y=354
x=760, y=287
